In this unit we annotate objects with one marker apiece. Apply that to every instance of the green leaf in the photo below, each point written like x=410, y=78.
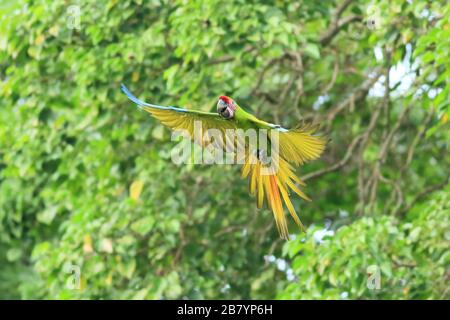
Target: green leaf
x=312, y=50
x=143, y=225
x=13, y=254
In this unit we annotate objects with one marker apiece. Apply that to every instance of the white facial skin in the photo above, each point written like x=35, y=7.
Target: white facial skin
x=225, y=110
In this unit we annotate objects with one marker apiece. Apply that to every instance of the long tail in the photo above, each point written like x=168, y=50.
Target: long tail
x=274, y=184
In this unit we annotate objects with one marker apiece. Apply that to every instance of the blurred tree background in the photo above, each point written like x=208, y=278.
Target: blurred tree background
x=86, y=180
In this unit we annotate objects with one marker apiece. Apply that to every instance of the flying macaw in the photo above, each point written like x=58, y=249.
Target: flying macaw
x=295, y=146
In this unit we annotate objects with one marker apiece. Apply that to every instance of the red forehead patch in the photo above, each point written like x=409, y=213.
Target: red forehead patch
x=226, y=99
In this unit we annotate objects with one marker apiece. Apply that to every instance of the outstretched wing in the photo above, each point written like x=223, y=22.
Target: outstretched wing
x=297, y=145
x=300, y=145
x=196, y=123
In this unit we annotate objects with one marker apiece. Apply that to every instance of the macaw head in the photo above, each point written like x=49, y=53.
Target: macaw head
x=226, y=107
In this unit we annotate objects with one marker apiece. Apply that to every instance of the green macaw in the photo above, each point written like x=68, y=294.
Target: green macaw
x=295, y=146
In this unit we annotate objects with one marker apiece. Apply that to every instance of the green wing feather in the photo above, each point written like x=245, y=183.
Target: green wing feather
x=189, y=122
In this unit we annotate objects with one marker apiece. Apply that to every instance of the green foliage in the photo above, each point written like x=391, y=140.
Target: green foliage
x=71, y=145
x=412, y=257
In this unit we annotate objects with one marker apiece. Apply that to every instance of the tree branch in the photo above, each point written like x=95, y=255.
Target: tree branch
x=422, y=194
x=354, y=97
x=229, y=58
x=337, y=24
x=328, y=35
x=337, y=165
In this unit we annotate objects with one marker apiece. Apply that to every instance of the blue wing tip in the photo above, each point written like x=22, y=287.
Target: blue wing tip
x=131, y=96
x=124, y=89
x=141, y=104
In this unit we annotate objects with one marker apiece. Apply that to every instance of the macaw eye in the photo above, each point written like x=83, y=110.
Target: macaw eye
x=226, y=113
